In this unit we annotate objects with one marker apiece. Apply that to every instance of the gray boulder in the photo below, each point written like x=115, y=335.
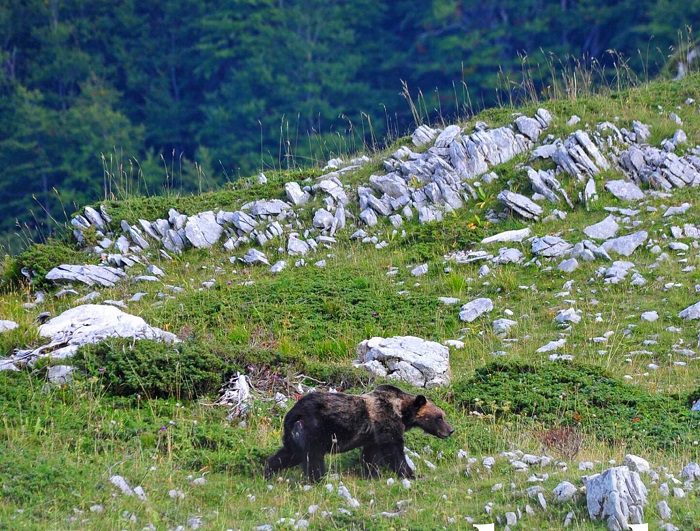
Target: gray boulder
x=626, y=245
x=253, y=256
x=550, y=246
x=295, y=194
x=6, y=326
x=508, y=236
x=202, y=230
x=617, y=497
x=603, y=230
x=472, y=310
x=691, y=313
x=92, y=323
x=519, y=204
x=624, y=190
x=417, y=361
x=87, y=274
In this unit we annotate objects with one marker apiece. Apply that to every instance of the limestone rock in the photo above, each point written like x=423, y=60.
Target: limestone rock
x=617, y=496
x=626, y=245
x=624, y=190
x=508, y=236
x=520, y=204
x=87, y=274
x=417, y=361
x=472, y=310
x=603, y=230
x=6, y=325
x=202, y=230
x=92, y=323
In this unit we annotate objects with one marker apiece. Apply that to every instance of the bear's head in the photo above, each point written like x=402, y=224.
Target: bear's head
x=430, y=418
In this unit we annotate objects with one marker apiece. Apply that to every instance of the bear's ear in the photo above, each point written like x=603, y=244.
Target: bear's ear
x=420, y=401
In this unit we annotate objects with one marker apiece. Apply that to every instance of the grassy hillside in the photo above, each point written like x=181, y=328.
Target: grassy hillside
x=62, y=443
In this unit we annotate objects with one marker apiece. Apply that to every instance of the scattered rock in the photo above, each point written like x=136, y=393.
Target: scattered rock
x=603, y=230
x=636, y=463
x=626, y=245
x=624, y=190
x=564, y=492
x=92, y=323
x=6, y=326
x=91, y=275
x=508, y=236
x=472, y=310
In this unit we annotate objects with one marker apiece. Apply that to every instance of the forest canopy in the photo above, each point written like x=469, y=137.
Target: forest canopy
x=98, y=96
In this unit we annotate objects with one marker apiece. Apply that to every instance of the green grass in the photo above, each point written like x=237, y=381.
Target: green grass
x=61, y=444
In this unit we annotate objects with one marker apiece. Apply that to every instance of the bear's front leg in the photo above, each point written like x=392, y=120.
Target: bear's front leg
x=314, y=466
x=370, y=459
x=398, y=462
x=284, y=458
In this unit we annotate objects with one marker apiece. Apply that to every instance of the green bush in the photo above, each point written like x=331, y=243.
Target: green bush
x=152, y=368
x=10, y=273
x=40, y=258
x=560, y=394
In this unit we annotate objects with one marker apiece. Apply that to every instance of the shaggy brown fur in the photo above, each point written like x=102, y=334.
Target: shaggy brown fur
x=320, y=423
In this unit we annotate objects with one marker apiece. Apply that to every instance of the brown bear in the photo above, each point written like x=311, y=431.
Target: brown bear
x=320, y=423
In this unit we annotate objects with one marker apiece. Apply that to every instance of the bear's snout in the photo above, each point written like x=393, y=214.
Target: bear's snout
x=445, y=431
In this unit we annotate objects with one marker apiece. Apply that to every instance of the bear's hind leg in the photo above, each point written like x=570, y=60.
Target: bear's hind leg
x=284, y=458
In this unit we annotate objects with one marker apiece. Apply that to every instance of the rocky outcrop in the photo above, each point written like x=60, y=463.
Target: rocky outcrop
x=416, y=361
x=89, y=324
x=617, y=497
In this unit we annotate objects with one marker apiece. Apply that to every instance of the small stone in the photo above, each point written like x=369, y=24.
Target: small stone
x=636, y=463
x=650, y=316
x=564, y=492
x=420, y=270
x=472, y=310
x=568, y=266
x=603, y=230
x=664, y=510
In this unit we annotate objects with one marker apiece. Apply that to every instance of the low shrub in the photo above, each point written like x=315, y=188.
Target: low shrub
x=564, y=394
x=151, y=368
x=40, y=258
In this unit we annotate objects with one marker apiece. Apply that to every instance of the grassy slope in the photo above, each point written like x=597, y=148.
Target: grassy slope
x=61, y=445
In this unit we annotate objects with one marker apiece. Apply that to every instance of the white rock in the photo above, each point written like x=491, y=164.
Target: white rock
x=552, y=345
x=617, y=496
x=626, y=245
x=420, y=362
x=691, y=472
x=568, y=315
x=691, y=312
x=677, y=210
x=568, y=266
x=501, y=327
x=508, y=236
x=6, y=326
x=91, y=275
x=603, y=230
x=636, y=463
x=650, y=317
x=60, y=374
x=420, y=270
x=624, y=190
x=564, y=492
x=472, y=310
x=92, y=323
x=202, y=230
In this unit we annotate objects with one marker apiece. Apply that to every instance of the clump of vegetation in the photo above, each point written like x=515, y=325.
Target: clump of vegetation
x=152, y=368
x=40, y=258
x=563, y=394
